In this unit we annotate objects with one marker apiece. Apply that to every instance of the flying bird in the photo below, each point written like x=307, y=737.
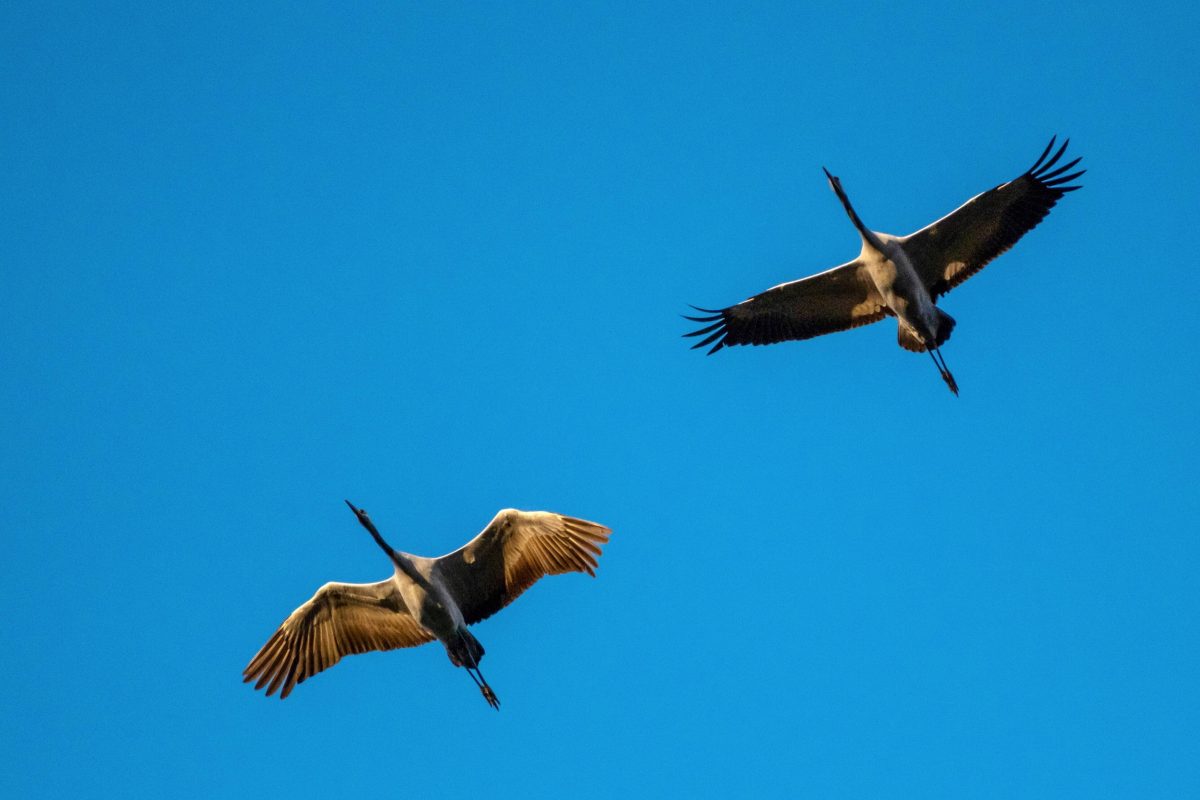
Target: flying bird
x=898, y=276
x=427, y=598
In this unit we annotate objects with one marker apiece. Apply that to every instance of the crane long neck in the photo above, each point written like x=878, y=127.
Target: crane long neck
x=867, y=235
x=366, y=522
x=387, y=548
x=399, y=559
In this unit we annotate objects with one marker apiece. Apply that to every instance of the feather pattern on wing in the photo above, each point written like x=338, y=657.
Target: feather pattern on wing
x=513, y=552
x=341, y=619
x=964, y=241
x=835, y=300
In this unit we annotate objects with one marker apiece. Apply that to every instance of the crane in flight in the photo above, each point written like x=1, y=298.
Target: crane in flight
x=898, y=276
x=427, y=598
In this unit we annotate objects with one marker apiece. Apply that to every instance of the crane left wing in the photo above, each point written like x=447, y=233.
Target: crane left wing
x=341, y=619
x=835, y=300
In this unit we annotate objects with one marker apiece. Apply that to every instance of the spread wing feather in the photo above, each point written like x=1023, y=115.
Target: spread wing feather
x=835, y=300
x=341, y=619
x=513, y=552
x=964, y=241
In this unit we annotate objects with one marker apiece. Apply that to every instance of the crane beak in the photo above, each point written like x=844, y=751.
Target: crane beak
x=832, y=179
x=362, y=517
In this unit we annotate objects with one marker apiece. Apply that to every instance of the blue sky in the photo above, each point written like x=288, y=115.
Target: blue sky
x=260, y=258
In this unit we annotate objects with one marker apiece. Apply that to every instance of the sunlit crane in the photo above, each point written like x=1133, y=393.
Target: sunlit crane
x=427, y=598
x=898, y=276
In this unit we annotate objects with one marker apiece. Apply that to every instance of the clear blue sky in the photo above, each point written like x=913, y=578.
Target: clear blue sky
x=258, y=259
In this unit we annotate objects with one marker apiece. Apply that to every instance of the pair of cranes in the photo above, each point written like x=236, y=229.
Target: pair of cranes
x=437, y=598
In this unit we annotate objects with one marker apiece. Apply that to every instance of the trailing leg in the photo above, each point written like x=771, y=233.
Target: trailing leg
x=939, y=361
x=466, y=653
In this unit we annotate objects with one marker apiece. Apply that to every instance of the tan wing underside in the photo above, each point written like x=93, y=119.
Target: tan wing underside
x=339, y=620
x=516, y=550
x=550, y=545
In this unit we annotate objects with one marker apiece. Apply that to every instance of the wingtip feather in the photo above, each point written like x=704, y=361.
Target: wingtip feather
x=709, y=340
x=1042, y=157
x=707, y=329
x=1055, y=184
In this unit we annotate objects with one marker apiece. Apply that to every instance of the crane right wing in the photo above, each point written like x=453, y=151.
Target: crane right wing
x=513, y=552
x=947, y=252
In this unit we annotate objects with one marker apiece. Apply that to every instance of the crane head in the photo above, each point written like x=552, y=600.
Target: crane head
x=361, y=513
x=834, y=183
x=365, y=521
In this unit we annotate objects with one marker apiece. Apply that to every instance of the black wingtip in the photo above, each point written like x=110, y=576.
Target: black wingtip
x=720, y=334
x=1050, y=176
x=1054, y=159
x=1046, y=177
x=1045, y=153
x=714, y=329
x=707, y=329
x=1059, y=182
x=710, y=314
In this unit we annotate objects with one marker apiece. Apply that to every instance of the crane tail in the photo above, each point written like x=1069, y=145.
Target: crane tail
x=945, y=328
x=465, y=650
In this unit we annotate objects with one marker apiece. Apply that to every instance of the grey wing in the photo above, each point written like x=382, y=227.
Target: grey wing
x=513, y=552
x=835, y=300
x=339, y=620
x=964, y=241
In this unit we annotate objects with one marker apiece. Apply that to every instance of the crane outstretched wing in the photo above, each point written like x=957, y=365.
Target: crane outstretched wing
x=341, y=619
x=512, y=553
x=961, y=243
x=835, y=300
